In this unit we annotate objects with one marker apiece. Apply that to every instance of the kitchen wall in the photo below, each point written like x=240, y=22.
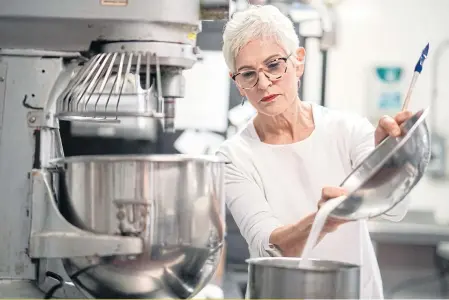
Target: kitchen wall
x=389, y=32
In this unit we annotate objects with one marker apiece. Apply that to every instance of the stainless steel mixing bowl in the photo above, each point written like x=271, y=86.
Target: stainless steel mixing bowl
x=389, y=173
x=174, y=202
x=282, y=278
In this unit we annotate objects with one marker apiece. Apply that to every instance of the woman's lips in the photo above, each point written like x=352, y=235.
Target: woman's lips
x=269, y=98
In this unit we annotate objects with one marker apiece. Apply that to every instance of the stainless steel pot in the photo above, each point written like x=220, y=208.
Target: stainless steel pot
x=389, y=173
x=175, y=203
x=281, y=278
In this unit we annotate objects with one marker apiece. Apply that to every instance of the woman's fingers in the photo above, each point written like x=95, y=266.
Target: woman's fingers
x=330, y=192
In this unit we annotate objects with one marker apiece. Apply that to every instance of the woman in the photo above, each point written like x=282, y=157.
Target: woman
x=292, y=155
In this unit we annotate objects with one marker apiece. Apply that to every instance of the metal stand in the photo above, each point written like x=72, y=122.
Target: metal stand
x=37, y=235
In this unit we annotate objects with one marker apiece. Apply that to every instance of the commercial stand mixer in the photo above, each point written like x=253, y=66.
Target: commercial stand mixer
x=121, y=226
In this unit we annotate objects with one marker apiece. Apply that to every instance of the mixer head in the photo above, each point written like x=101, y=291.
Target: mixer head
x=132, y=53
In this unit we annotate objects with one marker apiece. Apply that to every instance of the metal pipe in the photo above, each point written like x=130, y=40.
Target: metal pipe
x=323, y=77
x=169, y=114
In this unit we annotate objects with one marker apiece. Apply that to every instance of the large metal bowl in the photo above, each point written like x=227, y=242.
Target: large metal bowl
x=175, y=203
x=282, y=278
x=389, y=173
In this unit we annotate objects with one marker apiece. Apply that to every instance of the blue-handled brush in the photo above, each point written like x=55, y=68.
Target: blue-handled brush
x=418, y=69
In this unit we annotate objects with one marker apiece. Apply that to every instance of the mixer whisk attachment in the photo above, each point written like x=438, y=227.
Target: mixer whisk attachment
x=114, y=85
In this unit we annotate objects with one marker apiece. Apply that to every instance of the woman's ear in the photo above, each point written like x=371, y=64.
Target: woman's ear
x=300, y=57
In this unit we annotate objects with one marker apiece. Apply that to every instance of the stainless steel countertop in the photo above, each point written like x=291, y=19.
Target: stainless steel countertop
x=418, y=228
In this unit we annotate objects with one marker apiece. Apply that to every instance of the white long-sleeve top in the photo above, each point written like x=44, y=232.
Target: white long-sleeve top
x=268, y=186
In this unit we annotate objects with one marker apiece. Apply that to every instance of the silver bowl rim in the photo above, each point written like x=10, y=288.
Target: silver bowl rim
x=400, y=144
x=338, y=265
x=158, y=158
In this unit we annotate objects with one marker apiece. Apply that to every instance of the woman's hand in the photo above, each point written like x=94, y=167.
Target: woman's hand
x=390, y=126
x=329, y=193
x=291, y=239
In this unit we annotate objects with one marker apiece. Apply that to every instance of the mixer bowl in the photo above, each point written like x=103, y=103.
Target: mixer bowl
x=389, y=173
x=282, y=278
x=175, y=203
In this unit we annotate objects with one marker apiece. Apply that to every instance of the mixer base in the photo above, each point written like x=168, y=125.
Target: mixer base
x=19, y=289
x=27, y=289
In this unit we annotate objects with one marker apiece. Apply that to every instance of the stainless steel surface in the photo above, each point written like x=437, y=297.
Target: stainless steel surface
x=22, y=76
x=52, y=236
x=443, y=250
x=438, y=161
x=106, y=86
x=417, y=228
x=42, y=42
x=25, y=289
x=389, y=173
x=175, y=203
x=73, y=25
x=281, y=278
x=123, y=34
x=116, y=85
x=411, y=271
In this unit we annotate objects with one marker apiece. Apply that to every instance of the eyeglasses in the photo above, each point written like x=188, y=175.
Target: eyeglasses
x=273, y=70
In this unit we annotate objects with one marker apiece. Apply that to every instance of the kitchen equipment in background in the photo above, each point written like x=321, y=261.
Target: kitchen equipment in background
x=281, y=278
x=389, y=173
x=174, y=203
x=105, y=88
x=438, y=160
x=116, y=90
x=123, y=226
x=438, y=157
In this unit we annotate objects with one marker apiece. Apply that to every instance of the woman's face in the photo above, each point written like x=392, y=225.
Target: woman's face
x=270, y=96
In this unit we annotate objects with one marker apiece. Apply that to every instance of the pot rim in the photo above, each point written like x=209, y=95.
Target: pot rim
x=338, y=265
x=158, y=158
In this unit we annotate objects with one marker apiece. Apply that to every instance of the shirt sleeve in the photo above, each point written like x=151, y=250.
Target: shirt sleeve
x=250, y=210
x=362, y=144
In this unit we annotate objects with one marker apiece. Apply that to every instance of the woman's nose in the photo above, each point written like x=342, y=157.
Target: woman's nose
x=264, y=81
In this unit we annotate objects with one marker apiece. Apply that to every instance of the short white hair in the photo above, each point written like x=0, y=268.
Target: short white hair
x=257, y=22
